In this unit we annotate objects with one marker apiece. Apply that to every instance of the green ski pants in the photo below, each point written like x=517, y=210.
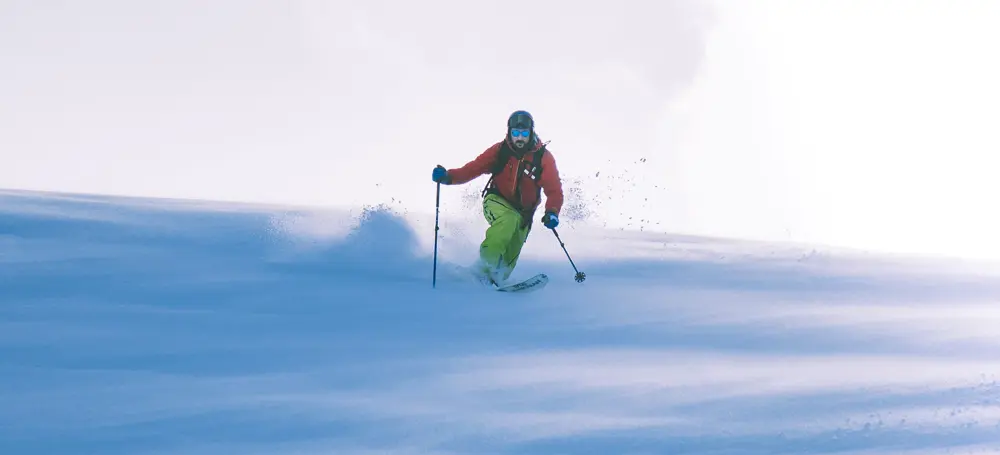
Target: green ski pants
x=504, y=238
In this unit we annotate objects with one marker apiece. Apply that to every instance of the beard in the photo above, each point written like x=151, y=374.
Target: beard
x=520, y=143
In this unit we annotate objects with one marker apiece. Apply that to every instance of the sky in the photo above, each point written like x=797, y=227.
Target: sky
x=836, y=122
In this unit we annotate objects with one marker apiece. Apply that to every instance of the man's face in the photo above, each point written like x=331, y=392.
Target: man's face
x=520, y=137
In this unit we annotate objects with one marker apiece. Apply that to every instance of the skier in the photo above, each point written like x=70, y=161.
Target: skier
x=521, y=169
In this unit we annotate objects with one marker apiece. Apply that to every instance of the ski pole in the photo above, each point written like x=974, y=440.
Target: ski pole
x=437, y=212
x=580, y=276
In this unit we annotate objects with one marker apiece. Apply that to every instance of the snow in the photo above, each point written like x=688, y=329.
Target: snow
x=144, y=326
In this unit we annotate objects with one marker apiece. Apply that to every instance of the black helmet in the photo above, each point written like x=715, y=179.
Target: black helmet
x=520, y=120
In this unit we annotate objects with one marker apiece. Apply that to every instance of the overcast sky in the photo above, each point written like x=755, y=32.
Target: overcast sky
x=844, y=122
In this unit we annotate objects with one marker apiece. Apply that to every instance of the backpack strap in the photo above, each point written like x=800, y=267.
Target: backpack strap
x=536, y=162
x=503, y=155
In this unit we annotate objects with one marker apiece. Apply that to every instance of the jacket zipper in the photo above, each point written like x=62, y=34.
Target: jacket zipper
x=517, y=175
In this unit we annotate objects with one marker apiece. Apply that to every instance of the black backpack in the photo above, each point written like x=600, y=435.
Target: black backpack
x=532, y=170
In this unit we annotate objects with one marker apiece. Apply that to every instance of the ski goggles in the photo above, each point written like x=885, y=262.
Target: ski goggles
x=519, y=133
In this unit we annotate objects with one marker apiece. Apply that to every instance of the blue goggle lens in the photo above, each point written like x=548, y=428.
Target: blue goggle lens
x=519, y=133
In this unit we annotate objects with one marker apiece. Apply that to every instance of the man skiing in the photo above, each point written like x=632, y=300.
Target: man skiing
x=521, y=169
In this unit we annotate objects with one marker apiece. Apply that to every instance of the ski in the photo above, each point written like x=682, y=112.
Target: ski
x=531, y=284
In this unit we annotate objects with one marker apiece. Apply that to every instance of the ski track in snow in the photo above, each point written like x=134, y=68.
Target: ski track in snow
x=130, y=326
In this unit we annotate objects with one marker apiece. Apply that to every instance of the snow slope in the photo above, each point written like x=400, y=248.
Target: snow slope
x=133, y=326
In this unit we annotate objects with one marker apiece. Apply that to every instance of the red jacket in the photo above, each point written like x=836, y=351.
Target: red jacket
x=548, y=182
